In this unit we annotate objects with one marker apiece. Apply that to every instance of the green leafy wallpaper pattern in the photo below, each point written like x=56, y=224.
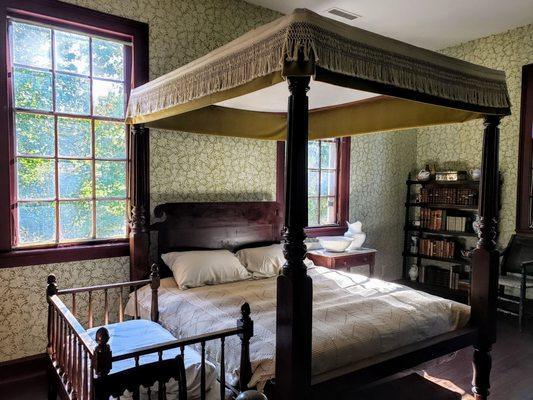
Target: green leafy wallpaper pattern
x=507, y=51
x=379, y=164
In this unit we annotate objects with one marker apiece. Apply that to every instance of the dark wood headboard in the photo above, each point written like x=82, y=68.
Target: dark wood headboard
x=227, y=225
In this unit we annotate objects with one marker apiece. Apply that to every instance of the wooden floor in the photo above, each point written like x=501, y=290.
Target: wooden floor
x=512, y=377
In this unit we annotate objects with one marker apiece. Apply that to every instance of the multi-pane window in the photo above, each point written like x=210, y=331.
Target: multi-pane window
x=68, y=100
x=322, y=181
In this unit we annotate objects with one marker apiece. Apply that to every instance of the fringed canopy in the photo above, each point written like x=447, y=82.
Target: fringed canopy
x=234, y=90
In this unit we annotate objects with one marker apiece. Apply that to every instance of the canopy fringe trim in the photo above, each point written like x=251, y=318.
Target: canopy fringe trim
x=334, y=47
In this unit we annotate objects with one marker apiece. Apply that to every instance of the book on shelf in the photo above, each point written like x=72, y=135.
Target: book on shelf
x=448, y=196
x=439, y=248
x=443, y=276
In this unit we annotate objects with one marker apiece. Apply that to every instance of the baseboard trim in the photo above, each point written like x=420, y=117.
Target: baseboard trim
x=22, y=368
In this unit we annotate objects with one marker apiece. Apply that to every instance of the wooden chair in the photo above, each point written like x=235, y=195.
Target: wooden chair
x=516, y=272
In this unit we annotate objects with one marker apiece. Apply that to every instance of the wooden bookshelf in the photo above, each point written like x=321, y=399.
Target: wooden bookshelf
x=451, y=193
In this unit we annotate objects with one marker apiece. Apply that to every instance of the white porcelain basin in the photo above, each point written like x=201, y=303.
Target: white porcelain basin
x=336, y=244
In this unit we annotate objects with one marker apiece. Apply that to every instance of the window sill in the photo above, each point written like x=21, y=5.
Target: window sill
x=330, y=230
x=26, y=257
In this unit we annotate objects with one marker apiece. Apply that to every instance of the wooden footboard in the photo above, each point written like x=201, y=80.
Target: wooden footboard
x=80, y=367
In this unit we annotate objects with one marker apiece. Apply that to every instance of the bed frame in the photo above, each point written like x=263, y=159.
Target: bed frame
x=294, y=288
x=79, y=367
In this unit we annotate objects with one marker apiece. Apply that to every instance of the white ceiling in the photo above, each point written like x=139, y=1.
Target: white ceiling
x=433, y=24
x=274, y=98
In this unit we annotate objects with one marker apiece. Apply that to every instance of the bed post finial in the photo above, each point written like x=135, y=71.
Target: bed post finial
x=139, y=194
x=485, y=261
x=102, y=353
x=294, y=286
x=51, y=290
x=154, y=285
x=51, y=287
x=247, y=326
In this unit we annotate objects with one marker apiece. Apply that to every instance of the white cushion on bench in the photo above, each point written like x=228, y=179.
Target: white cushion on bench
x=129, y=335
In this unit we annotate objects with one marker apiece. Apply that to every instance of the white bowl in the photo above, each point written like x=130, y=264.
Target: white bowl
x=335, y=244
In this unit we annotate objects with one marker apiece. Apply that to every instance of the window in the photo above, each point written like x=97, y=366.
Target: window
x=67, y=73
x=68, y=102
x=524, y=212
x=322, y=182
x=328, y=184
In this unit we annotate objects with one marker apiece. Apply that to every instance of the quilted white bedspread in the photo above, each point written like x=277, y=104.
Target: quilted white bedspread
x=354, y=318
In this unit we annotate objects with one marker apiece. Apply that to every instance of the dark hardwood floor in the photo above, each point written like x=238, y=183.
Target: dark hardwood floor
x=512, y=377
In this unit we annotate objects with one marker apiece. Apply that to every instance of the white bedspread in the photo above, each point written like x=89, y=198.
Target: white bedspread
x=354, y=318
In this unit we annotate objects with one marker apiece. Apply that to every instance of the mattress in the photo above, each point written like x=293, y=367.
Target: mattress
x=354, y=318
x=129, y=335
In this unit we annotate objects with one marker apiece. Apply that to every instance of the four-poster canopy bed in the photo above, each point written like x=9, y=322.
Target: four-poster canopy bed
x=232, y=91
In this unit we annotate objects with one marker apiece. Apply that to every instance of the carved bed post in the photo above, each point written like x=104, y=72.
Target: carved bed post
x=154, y=285
x=485, y=262
x=294, y=286
x=51, y=290
x=247, y=325
x=139, y=197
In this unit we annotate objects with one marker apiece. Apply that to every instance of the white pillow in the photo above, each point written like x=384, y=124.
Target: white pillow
x=262, y=262
x=205, y=267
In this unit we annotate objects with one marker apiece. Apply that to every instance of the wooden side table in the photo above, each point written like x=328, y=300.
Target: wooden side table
x=345, y=260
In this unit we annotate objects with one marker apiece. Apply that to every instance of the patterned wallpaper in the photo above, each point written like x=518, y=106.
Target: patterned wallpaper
x=379, y=165
x=188, y=167
x=185, y=167
x=507, y=51
x=23, y=306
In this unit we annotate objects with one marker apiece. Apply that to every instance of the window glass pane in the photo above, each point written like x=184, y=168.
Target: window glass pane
x=327, y=210
x=35, y=178
x=110, y=138
x=110, y=218
x=328, y=156
x=36, y=223
x=328, y=183
x=75, y=220
x=108, y=99
x=312, y=204
x=72, y=94
x=110, y=179
x=71, y=52
x=75, y=179
x=312, y=154
x=74, y=137
x=33, y=89
x=312, y=183
x=32, y=45
x=34, y=134
x=108, y=59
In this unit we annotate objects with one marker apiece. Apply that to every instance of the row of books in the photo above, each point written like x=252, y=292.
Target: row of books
x=440, y=248
x=456, y=224
x=448, y=195
x=444, y=276
x=437, y=220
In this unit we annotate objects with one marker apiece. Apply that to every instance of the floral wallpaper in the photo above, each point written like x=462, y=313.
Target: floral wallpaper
x=507, y=51
x=184, y=167
x=23, y=304
x=189, y=167
x=379, y=164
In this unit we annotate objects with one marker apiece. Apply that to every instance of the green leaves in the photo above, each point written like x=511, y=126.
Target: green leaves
x=33, y=89
x=71, y=153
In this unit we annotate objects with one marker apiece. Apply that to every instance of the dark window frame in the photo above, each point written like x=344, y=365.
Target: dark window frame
x=343, y=188
x=524, y=206
x=81, y=19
